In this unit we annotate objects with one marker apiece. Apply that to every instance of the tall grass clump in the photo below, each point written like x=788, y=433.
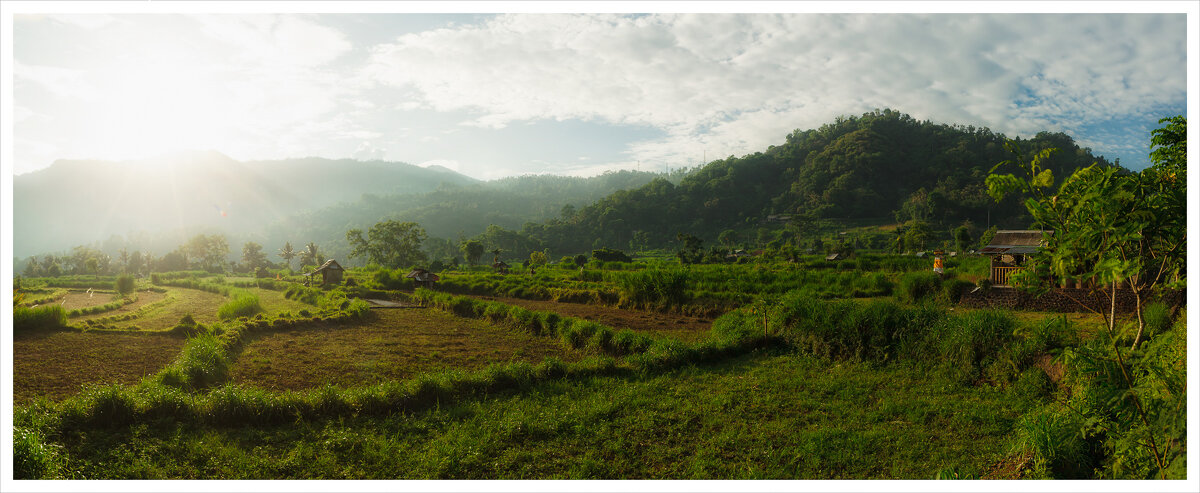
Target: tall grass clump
x=658, y=288
x=33, y=458
x=40, y=318
x=204, y=362
x=1053, y=437
x=916, y=286
x=970, y=342
x=243, y=305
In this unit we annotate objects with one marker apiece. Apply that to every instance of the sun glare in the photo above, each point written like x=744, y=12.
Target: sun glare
x=155, y=110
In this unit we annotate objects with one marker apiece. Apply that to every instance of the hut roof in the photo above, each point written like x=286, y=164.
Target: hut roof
x=833, y=256
x=500, y=264
x=1015, y=241
x=422, y=275
x=330, y=264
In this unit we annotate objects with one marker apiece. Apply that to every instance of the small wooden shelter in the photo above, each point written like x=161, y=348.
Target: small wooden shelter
x=1009, y=249
x=423, y=278
x=833, y=257
x=331, y=272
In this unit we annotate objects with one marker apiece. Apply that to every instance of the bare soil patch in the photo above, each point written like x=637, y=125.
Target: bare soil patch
x=395, y=344
x=681, y=327
x=76, y=299
x=56, y=364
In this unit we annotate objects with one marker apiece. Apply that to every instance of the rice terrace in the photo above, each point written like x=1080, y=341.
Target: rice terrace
x=871, y=296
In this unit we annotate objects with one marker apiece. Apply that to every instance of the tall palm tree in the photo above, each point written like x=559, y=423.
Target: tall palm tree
x=287, y=254
x=310, y=254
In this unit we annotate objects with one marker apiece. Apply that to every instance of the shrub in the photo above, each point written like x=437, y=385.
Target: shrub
x=124, y=284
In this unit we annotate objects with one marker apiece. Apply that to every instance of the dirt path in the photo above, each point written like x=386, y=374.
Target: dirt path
x=681, y=327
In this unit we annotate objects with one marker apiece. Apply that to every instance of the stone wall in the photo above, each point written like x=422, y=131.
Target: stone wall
x=1057, y=300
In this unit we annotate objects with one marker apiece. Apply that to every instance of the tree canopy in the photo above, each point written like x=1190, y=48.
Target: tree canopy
x=392, y=244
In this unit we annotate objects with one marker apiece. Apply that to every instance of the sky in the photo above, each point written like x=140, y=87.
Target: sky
x=575, y=94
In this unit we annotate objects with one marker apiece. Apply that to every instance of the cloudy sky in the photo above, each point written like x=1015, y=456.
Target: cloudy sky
x=497, y=95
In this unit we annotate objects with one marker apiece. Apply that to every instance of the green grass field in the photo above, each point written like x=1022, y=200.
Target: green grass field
x=763, y=415
x=797, y=388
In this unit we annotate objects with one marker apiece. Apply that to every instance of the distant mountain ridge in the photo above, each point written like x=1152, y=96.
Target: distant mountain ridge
x=74, y=202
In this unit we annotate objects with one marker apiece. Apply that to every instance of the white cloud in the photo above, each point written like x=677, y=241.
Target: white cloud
x=737, y=83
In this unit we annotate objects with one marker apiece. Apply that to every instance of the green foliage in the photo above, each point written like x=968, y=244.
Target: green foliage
x=253, y=257
x=392, y=244
x=917, y=286
x=124, y=284
x=472, y=250
x=242, y=305
x=204, y=362
x=1053, y=437
x=41, y=318
x=658, y=288
x=1169, y=144
x=303, y=294
x=33, y=458
x=610, y=255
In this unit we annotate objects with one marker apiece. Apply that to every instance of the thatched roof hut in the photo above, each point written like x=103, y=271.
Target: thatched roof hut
x=423, y=278
x=331, y=272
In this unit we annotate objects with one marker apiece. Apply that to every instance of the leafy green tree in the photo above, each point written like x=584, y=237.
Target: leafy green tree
x=1169, y=145
x=962, y=238
x=538, y=259
x=1125, y=231
x=31, y=268
x=93, y=265
x=209, y=251
x=124, y=258
x=287, y=254
x=472, y=250
x=253, y=256
x=392, y=244
x=728, y=238
x=136, y=260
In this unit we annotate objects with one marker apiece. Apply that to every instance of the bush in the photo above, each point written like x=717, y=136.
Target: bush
x=610, y=255
x=124, y=284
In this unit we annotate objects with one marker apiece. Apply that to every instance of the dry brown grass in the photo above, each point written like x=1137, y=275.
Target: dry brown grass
x=397, y=343
x=56, y=364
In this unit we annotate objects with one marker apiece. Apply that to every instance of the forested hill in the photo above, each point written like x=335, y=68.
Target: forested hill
x=451, y=211
x=76, y=202
x=883, y=166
